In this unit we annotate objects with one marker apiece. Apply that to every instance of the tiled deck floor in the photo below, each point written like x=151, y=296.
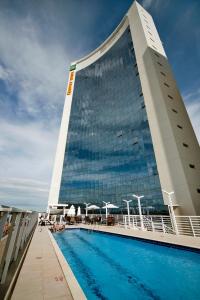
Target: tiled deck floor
x=41, y=276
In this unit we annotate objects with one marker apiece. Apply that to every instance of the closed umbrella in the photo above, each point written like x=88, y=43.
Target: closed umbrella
x=71, y=212
x=79, y=211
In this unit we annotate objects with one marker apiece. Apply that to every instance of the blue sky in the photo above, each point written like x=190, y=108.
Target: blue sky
x=39, y=39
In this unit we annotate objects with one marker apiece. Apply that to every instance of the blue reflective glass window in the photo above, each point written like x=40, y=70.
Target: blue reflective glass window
x=109, y=153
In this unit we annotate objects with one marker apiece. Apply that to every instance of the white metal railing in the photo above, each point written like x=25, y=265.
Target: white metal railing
x=16, y=228
x=188, y=225
x=185, y=225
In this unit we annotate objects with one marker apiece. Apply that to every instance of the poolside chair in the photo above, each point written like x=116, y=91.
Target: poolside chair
x=110, y=221
x=67, y=219
x=72, y=221
x=87, y=220
x=78, y=219
x=97, y=220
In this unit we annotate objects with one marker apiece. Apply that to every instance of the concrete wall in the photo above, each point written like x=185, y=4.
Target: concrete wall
x=60, y=152
x=166, y=110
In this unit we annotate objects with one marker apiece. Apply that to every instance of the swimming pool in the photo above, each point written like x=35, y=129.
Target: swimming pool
x=113, y=267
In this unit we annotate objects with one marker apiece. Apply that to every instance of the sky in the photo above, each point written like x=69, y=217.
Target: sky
x=38, y=41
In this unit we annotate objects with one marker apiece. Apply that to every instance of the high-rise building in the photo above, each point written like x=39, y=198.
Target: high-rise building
x=125, y=128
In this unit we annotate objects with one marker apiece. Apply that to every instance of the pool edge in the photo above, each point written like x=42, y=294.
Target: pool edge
x=75, y=288
x=156, y=240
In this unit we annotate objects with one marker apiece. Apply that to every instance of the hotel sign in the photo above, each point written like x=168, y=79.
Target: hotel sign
x=70, y=84
x=71, y=76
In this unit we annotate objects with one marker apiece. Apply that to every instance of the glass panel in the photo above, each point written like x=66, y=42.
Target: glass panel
x=109, y=153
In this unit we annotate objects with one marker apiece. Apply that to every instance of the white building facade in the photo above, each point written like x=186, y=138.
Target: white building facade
x=125, y=128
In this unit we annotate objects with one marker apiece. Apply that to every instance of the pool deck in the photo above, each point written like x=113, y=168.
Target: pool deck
x=180, y=240
x=43, y=275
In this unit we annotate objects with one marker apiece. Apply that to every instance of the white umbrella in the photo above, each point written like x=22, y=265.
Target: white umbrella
x=93, y=207
x=109, y=205
x=79, y=211
x=71, y=211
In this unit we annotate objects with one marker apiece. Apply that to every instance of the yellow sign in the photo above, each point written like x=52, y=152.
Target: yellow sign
x=71, y=78
x=69, y=89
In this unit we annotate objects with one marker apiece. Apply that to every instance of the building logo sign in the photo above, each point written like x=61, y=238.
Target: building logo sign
x=71, y=76
x=70, y=84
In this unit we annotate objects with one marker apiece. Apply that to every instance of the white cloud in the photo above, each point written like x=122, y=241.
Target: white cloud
x=26, y=155
x=147, y=3
x=27, y=193
x=4, y=74
x=24, y=184
x=155, y=4
x=35, y=71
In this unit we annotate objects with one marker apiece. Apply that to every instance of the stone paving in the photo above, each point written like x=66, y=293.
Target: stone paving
x=41, y=276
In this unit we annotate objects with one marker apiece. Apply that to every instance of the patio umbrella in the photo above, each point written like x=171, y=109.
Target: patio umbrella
x=93, y=207
x=79, y=211
x=71, y=211
x=109, y=205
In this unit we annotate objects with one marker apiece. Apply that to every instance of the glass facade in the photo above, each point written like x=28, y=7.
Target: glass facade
x=109, y=153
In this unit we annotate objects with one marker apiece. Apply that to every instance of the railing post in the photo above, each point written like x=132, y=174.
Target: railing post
x=2, y=223
x=135, y=222
x=163, y=226
x=24, y=232
x=153, y=228
x=10, y=231
x=10, y=248
x=143, y=221
x=173, y=219
x=151, y=221
x=193, y=230
x=22, y=225
x=125, y=222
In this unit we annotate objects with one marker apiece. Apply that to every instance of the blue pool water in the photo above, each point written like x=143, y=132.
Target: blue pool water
x=112, y=267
